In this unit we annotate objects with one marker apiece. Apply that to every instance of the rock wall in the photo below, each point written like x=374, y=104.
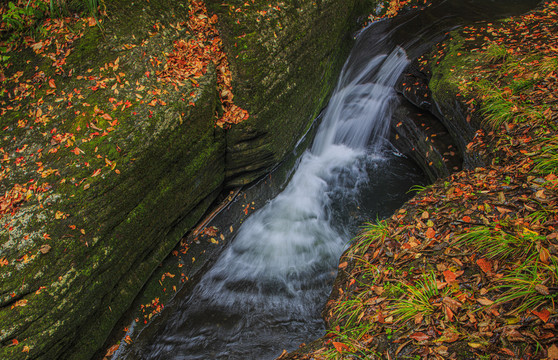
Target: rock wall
x=287, y=58
x=126, y=164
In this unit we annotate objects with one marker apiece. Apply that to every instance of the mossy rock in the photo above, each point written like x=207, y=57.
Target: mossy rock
x=113, y=186
x=117, y=192
x=285, y=57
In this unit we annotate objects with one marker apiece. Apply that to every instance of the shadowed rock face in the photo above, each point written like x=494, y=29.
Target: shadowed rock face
x=79, y=252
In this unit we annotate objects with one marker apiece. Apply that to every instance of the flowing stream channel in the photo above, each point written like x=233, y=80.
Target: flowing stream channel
x=266, y=290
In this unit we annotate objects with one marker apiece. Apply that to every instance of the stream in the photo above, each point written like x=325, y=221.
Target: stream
x=266, y=290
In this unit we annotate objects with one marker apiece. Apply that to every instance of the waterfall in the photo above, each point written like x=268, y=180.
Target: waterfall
x=266, y=290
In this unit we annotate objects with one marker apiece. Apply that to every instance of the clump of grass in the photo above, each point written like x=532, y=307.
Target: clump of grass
x=547, y=161
x=371, y=234
x=548, y=65
x=495, y=106
x=417, y=189
x=420, y=299
x=353, y=328
x=495, y=53
x=530, y=286
x=519, y=85
x=495, y=242
x=23, y=17
x=499, y=110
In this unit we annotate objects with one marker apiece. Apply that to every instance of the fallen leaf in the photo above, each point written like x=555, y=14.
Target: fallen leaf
x=450, y=335
x=449, y=276
x=485, y=301
x=541, y=289
x=553, y=352
x=452, y=303
x=112, y=350
x=485, y=265
x=340, y=346
x=45, y=248
x=20, y=303
x=430, y=233
x=544, y=314
x=544, y=255
x=419, y=336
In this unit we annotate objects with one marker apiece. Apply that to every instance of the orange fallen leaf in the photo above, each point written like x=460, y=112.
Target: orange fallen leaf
x=544, y=255
x=343, y=265
x=507, y=352
x=485, y=265
x=484, y=301
x=340, y=346
x=544, y=314
x=450, y=276
x=112, y=350
x=52, y=84
x=419, y=336
x=430, y=233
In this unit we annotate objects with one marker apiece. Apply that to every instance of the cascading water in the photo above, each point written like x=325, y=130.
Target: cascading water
x=265, y=292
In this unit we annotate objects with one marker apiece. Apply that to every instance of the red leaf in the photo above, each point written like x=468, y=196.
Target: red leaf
x=430, y=233
x=485, y=265
x=340, y=346
x=449, y=276
x=467, y=219
x=449, y=313
x=52, y=84
x=544, y=314
x=419, y=336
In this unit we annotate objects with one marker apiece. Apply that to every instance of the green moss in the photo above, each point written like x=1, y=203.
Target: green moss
x=447, y=72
